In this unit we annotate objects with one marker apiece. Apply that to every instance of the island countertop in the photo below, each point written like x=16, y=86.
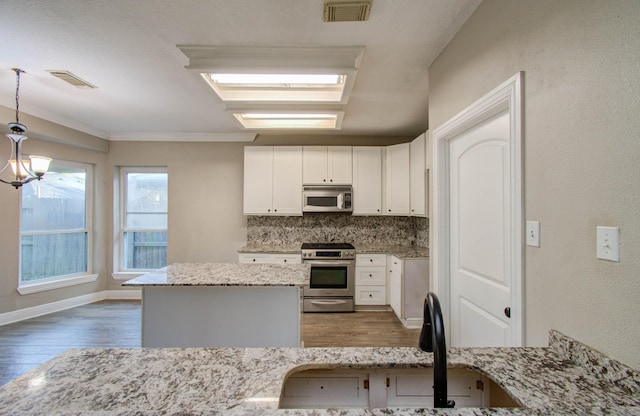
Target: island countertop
x=565, y=378
x=225, y=274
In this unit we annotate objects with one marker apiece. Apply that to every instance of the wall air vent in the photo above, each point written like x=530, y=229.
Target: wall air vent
x=71, y=79
x=346, y=10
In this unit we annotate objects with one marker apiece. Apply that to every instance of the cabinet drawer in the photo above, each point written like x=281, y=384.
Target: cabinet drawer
x=371, y=260
x=371, y=295
x=370, y=276
x=269, y=258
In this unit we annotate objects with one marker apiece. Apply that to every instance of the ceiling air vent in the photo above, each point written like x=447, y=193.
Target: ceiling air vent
x=72, y=79
x=346, y=10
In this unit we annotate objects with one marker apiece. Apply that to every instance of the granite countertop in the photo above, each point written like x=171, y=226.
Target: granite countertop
x=225, y=274
x=564, y=378
x=401, y=251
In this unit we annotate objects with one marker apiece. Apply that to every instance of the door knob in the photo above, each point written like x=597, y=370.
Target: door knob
x=507, y=312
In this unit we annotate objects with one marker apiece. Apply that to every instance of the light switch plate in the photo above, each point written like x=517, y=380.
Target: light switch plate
x=608, y=243
x=533, y=233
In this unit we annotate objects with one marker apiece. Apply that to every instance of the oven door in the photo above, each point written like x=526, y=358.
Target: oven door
x=330, y=278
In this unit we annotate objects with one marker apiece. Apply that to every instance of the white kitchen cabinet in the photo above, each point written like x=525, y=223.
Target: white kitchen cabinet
x=367, y=180
x=394, y=265
x=418, y=173
x=273, y=180
x=269, y=258
x=397, y=190
x=384, y=388
x=408, y=284
x=327, y=165
x=371, y=279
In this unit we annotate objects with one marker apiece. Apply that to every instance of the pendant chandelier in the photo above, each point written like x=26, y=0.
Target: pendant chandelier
x=24, y=170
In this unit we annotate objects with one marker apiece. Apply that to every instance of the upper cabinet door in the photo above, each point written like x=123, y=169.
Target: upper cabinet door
x=258, y=180
x=326, y=165
x=287, y=180
x=397, y=184
x=418, y=171
x=339, y=165
x=314, y=165
x=367, y=180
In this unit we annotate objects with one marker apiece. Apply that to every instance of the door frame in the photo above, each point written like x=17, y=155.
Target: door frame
x=507, y=96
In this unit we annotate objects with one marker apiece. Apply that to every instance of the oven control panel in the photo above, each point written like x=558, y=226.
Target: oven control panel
x=329, y=254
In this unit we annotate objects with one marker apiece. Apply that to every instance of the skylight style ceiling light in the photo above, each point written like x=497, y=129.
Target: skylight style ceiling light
x=325, y=121
x=24, y=171
x=278, y=87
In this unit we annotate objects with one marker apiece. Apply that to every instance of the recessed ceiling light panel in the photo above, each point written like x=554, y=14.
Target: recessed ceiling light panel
x=283, y=121
x=277, y=87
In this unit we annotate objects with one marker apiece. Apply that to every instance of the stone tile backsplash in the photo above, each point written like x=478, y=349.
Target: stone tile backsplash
x=322, y=228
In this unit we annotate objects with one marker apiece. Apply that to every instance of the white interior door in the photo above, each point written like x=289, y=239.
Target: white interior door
x=477, y=220
x=480, y=229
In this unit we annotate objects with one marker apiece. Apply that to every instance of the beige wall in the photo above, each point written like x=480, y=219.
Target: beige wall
x=10, y=299
x=206, y=223
x=581, y=63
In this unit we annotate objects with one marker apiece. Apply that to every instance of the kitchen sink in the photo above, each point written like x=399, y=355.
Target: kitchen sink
x=387, y=387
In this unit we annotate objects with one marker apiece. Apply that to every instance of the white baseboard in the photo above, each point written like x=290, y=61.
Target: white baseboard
x=34, y=311
x=413, y=322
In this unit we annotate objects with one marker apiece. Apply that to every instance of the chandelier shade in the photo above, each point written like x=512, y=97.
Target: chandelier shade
x=24, y=170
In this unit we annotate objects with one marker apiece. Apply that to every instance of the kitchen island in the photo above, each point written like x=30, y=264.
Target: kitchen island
x=222, y=305
x=565, y=378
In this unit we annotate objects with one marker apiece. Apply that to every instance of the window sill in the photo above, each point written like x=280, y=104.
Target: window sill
x=57, y=284
x=126, y=275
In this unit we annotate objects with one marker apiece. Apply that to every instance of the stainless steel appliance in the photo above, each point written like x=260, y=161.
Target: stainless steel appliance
x=321, y=198
x=332, y=283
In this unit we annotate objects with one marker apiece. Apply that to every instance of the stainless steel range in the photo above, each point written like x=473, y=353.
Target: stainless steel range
x=332, y=284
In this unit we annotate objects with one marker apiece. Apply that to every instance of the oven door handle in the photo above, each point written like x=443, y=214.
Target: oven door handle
x=329, y=262
x=328, y=302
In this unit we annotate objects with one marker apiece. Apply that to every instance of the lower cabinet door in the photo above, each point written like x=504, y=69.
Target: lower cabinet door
x=371, y=295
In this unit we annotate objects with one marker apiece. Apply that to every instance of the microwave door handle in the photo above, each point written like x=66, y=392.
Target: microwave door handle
x=340, y=201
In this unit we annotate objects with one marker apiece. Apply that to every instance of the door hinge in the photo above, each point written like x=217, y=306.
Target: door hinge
x=480, y=385
x=366, y=384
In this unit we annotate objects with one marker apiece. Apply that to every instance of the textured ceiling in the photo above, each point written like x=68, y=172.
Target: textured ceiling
x=128, y=50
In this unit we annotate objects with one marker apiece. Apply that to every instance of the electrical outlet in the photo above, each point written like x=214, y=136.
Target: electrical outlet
x=608, y=243
x=533, y=233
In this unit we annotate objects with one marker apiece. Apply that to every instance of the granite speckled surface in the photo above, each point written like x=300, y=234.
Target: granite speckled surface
x=400, y=251
x=248, y=381
x=225, y=274
x=324, y=228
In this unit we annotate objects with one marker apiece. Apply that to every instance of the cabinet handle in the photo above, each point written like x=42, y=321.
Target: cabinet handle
x=370, y=275
x=371, y=260
x=254, y=260
x=389, y=210
x=285, y=260
x=269, y=210
x=378, y=210
x=370, y=295
x=324, y=180
x=330, y=180
x=275, y=210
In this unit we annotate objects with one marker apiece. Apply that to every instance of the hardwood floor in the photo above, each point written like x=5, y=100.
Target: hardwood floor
x=358, y=329
x=26, y=344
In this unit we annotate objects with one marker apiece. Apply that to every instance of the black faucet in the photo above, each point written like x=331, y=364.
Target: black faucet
x=432, y=340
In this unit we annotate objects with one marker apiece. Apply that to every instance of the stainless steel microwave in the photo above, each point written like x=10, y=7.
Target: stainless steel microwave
x=321, y=198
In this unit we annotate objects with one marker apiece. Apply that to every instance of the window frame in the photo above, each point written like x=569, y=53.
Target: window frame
x=120, y=190
x=56, y=282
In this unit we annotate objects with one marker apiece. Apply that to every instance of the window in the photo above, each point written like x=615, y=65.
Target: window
x=143, y=219
x=55, y=228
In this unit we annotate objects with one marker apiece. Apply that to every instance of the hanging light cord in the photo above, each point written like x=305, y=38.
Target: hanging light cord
x=18, y=71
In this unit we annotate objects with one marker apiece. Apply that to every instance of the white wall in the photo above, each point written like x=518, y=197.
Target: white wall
x=581, y=61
